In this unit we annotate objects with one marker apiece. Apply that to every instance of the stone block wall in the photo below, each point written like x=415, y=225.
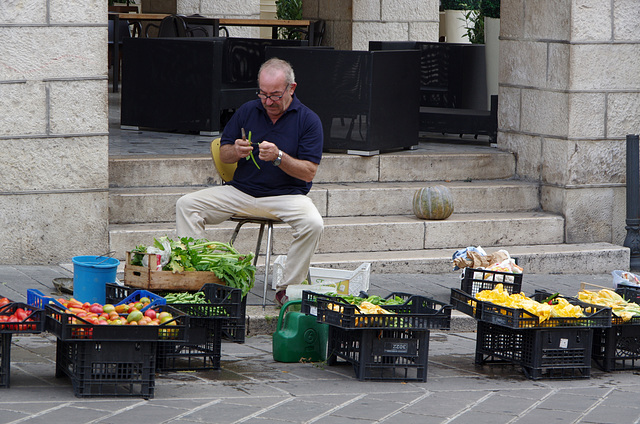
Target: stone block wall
x=569, y=94
x=352, y=24
x=246, y=9
x=53, y=130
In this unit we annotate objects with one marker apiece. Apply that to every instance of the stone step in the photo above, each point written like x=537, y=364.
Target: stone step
x=584, y=258
x=376, y=233
x=157, y=204
x=429, y=162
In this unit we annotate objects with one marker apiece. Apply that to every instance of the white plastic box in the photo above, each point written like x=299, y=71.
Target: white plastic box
x=336, y=280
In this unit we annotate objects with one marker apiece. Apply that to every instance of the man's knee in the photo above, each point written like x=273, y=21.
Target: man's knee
x=184, y=203
x=181, y=203
x=315, y=224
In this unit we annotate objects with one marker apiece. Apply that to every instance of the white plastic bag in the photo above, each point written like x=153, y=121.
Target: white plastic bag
x=164, y=254
x=624, y=278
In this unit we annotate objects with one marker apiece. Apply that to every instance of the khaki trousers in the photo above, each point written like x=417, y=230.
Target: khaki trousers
x=217, y=204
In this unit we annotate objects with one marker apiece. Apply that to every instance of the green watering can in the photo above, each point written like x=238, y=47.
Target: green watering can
x=301, y=338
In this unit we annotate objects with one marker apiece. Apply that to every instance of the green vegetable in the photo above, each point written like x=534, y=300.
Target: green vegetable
x=551, y=300
x=186, y=297
x=376, y=300
x=136, y=259
x=251, y=155
x=229, y=265
x=195, y=299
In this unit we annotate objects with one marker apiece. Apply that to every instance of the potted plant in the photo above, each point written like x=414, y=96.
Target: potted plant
x=289, y=10
x=456, y=12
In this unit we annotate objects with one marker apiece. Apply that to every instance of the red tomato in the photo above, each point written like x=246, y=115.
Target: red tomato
x=13, y=318
x=72, y=303
x=21, y=314
x=95, y=308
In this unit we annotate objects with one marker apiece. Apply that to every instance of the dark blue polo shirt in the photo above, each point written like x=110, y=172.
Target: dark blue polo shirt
x=298, y=133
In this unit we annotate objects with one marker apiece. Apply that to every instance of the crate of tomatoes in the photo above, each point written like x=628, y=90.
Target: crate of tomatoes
x=18, y=317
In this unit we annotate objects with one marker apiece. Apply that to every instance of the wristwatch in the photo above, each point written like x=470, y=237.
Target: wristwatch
x=278, y=159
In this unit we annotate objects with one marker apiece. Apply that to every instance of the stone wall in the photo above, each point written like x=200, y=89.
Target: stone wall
x=53, y=130
x=249, y=9
x=569, y=94
x=352, y=24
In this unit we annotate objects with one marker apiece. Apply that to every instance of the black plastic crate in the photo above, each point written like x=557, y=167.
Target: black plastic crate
x=69, y=327
x=5, y=359
x=465, y=303
x=631, y=294
x=34, y=323
x=555, y=353
x=617, y=348
x=202, y=352
x=388, y=355
x=108, y=368
x=309, y=305
x=476, y=280
x=229, y=298
x=596, y=316
x=115, y=293
x=417, y=313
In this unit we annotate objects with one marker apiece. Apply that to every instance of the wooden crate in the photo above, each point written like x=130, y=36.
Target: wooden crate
x=148, y=278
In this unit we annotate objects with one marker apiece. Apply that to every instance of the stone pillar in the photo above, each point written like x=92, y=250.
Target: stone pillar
x=53, y=130
x=569, y=93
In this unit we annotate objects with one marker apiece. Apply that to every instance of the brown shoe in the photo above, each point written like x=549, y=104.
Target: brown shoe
x=281, y=298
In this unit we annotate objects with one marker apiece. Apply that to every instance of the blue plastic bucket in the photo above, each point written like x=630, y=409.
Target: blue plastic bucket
x=91, y=275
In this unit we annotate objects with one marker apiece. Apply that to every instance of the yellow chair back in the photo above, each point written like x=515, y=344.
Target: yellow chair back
x=226, y=170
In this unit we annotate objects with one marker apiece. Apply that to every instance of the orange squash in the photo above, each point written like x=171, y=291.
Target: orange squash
x=434, y=202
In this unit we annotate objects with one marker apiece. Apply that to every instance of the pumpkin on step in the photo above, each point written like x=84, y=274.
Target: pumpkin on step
x=434, y=202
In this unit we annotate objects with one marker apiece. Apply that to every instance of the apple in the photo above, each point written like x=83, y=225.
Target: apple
x=134, y=316
x=150, y=313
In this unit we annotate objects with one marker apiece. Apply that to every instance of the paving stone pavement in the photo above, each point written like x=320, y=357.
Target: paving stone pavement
x=251, y=387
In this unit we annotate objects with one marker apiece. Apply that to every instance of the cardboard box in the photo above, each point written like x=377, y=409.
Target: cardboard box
x=148, y=278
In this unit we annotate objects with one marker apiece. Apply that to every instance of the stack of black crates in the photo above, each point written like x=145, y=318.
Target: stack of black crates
x=618, y=348
x=393, y=347
x=108, y=360
x=223, y=316
x=7, y=329
x=551, y=348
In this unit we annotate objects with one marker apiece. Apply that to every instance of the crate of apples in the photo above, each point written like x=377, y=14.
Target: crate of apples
x=78, y=320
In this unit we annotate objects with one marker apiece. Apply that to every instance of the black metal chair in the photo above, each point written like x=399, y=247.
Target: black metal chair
x=126, y=29
x=318, y=32
x=176, y=26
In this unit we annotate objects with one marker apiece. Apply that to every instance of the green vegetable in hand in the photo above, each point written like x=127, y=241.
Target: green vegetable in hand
x=251, y=155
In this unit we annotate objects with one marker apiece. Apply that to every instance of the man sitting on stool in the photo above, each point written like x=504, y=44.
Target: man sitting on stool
x=288, y=136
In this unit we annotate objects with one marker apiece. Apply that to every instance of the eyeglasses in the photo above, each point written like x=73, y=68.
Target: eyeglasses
x=273, y=97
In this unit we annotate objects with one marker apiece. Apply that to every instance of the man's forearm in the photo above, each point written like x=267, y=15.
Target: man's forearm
x=301, y=169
